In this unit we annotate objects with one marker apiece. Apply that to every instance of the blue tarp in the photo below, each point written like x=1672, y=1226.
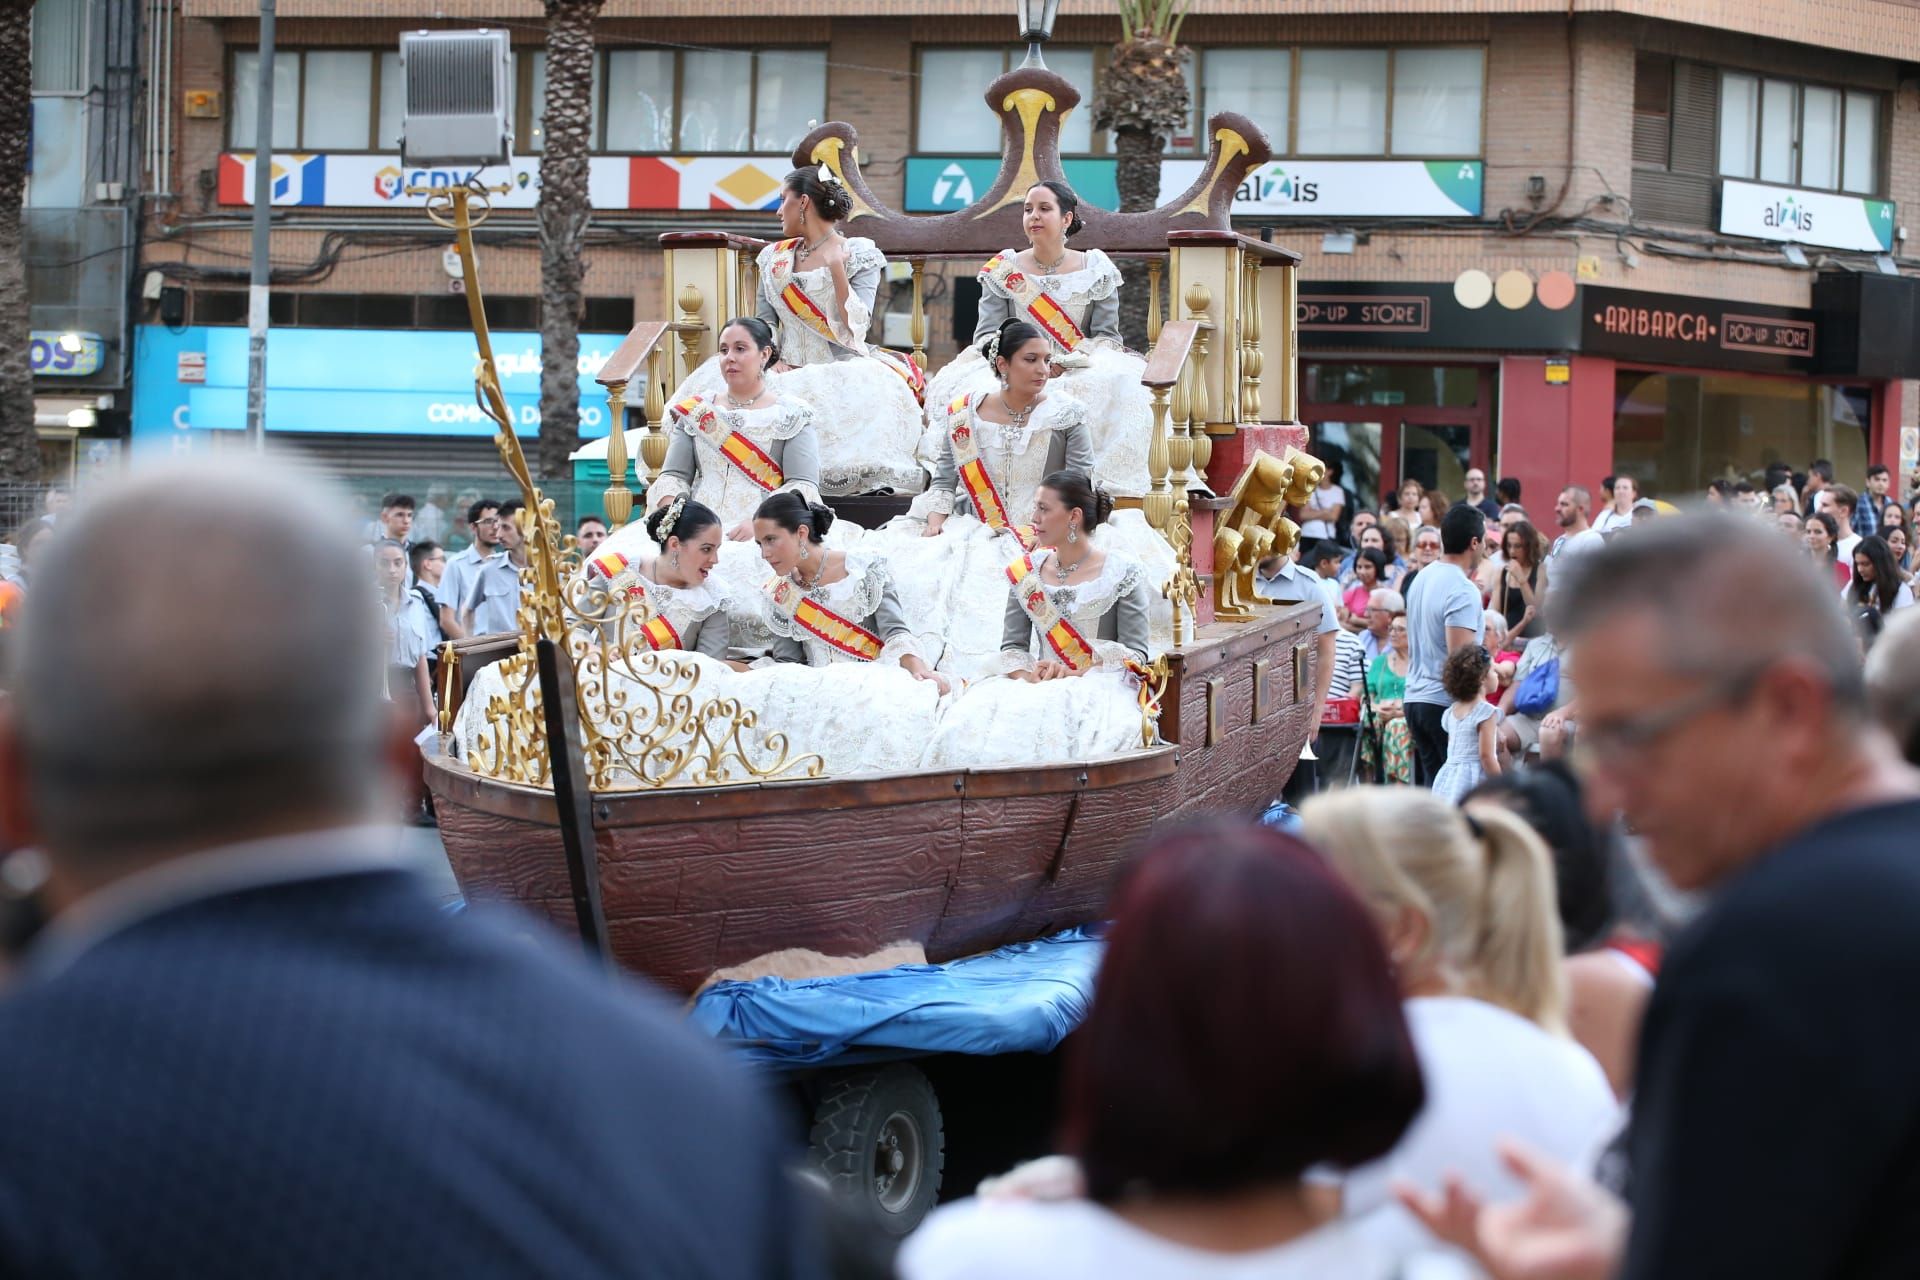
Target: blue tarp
x=1023, y=998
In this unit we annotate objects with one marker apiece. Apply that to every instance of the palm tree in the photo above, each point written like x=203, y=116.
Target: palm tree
x=564, y=211
x=1144, y=100
x=19, y=444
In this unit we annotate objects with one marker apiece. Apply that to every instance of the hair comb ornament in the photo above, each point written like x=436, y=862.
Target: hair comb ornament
x=828, y=178
x=674, y=511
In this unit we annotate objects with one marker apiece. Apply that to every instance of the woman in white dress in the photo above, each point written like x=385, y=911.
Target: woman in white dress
x=1465, y=902
x=1073, y=297
x=847, y=680
x=1073, y=644
x=997, y=447
x=675, y=580
x=730, y=450
x=817, y=290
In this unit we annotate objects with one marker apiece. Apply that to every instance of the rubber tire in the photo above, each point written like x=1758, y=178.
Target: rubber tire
x=853, y=1106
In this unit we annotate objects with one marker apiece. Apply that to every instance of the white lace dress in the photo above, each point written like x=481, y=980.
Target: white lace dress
x=859, y=716
x=954, y=584
x=867, y=416
x=1076, y=718
x=1119, y=409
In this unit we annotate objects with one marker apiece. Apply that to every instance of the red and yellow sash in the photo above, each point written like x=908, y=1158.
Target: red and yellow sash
x=659, y=634
x=987, y=503
x=848, y=637
x=752, y=461
x=1066, y=642
x=808, y=312
x=1034, y=302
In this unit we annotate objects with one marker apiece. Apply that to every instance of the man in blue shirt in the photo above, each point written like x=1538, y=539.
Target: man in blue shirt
x=1444, y=612
x=1284, y=580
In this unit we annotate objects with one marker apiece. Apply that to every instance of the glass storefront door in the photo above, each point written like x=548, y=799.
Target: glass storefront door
x=1385, y=423
x=1675, y=433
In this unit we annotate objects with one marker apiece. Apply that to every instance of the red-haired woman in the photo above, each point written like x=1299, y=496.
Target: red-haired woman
x=1246, y=1030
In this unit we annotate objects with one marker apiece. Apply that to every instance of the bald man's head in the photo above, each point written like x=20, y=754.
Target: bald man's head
x=201, y=663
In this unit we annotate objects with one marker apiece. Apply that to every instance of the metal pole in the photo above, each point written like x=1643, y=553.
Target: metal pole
x=262, y=216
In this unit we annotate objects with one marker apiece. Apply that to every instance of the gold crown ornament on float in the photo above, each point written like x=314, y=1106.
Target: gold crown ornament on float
x=643, y=725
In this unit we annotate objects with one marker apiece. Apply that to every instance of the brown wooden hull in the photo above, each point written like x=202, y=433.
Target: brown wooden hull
x=957, y=861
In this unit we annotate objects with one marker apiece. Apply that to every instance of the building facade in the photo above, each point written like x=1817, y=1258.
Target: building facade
x=1659, y=237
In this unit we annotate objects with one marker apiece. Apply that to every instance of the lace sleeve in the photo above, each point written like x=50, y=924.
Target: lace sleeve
x=865, y=265
x=1106, y=276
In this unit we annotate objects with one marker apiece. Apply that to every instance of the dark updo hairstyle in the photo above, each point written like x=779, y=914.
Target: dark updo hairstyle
x=789, y=510
x=761, y=333
x=1013, y=334
x=1069, y=204
x=694, y=516
x=831, y=200
x=1079, y=493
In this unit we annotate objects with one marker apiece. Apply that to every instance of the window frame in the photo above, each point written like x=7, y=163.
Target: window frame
x=1100, y=138
x=523, y=101
x=85, y=50
x=373, y=147
x=1799, y=85
x=1288, y=148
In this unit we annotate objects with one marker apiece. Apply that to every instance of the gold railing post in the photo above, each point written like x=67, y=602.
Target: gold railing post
x=1199, y=444
x=1153, y=303
x=1158, y=503
x=690, y=328
x=1251, y=356
x=919, y=324
x=618, y=499
x=653, y=446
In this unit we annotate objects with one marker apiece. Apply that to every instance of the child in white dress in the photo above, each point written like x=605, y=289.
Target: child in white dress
x=1471, y=724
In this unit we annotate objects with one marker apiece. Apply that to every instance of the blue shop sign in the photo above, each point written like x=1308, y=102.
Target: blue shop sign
x=51, y=358
x=377, y=382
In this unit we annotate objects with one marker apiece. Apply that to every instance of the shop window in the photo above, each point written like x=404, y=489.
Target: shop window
x=1676, y=109
x=229, y=306
x=443, y=311
x=327, y=310
x=1421, y=385
x=529, y=132
x=384, y=311
x=712, y=99
x=608, y=315
x=323, y=100
x=952, y=83
x=1676, y=433
x=58, y=41
x=1803, y=135
x=1404, y=101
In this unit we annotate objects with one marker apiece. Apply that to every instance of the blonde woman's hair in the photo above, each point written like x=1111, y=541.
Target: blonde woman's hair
x=1480, y=878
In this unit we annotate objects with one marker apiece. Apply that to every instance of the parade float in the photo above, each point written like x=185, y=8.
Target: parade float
x=668, y=830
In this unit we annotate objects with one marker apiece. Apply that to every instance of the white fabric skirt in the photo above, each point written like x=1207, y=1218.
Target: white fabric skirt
x=858, y=717
x=1003, y=721
x=955, y=584
x=1119, y=411
x=868, y=420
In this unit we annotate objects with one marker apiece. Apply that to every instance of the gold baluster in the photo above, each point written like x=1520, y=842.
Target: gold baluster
x=1199, y=443
x=653, y=446
x=1252, y=358
x=1153, y=304
x=1179, y=444
x=690, y=328
x=919, y=325
x=618, y=499
x=1158, y=504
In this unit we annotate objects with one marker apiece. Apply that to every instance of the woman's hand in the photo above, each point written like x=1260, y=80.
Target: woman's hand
x=935, y=523
x=940, y=681
x=831, y=255
x=1052, y=670
x=736, y=664
x=742, y=532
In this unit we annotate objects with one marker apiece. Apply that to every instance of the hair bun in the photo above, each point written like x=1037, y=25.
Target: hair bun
x=822, y=518
x=1102, y=504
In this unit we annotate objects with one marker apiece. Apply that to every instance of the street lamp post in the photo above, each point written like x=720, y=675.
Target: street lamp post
x=1036, y=28
x=262, y=215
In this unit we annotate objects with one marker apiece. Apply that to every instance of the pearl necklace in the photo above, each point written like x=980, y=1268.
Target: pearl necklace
x=734, y=402
x=1061, y=572
x=1047, y=269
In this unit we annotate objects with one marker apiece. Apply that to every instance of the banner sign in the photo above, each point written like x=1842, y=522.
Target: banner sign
x=338, y=181
x=1360, y=314
x=51, y=360
x=1822, y=218
x=378, y=382
x=1280, y=188
x=1706, y=333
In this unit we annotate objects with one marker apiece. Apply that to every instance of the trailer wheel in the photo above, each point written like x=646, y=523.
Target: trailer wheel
x=878, y=1139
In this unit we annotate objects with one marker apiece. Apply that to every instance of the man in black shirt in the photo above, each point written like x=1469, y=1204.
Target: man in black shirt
x=1776, y=1123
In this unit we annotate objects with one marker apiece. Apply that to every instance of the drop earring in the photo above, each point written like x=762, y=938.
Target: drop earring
x=675, y=557
x=1073, y=533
